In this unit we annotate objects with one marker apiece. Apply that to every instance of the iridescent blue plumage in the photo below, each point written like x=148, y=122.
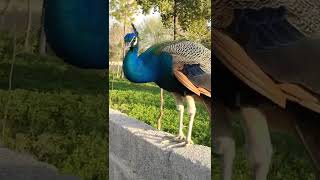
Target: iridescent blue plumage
x=150, y=66
x=77, y=30
x=266, y=28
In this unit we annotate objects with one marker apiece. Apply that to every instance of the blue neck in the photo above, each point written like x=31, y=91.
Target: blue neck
x=138, y=69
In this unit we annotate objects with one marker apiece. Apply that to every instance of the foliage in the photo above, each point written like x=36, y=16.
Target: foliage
x=56, y=114
x=151, y=32
x=192, y=15
x=198, y=29
x=123, y=10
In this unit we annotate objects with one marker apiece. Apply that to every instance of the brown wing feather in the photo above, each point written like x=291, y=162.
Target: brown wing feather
x=188, y=84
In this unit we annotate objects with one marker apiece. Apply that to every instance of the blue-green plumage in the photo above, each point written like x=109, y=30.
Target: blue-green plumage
x=151, y=66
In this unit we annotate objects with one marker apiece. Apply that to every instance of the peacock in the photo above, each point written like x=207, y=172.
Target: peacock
x=266, y=57
x=181, y=67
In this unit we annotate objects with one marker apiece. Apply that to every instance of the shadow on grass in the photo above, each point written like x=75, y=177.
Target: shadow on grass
x=123, y=85
x=51, y=75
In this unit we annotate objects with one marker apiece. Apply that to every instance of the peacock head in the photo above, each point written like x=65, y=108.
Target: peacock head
x=131, y=39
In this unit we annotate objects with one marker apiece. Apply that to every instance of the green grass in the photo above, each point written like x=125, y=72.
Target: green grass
x=142, y=101
x=289, y=161
x=57, y=113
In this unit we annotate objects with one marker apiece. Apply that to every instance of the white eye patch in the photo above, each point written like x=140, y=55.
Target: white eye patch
x=135, y=41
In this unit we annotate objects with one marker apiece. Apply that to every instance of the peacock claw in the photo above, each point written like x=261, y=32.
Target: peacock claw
x=167, y=139
x=180, y=138
x=181, y=144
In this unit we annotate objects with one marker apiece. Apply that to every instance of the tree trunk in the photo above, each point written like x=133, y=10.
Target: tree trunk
x=123, y=48
x=161, y=109
x=118, y=69
x=3, y=12
x=42, y=38
x=2, y=20
x=174, y=20
x=161, y=90
x=29, y=22
x=122, y=73
x=6, y=107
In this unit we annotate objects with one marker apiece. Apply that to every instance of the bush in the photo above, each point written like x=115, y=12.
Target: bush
x=64, y=129
x=57, y=113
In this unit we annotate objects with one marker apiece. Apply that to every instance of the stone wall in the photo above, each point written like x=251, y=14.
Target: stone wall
x=136, y=152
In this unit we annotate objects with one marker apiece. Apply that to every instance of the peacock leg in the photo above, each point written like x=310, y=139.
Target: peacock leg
x=192, y=113
x=258, y=141
x=180, y=107
x=223, y=141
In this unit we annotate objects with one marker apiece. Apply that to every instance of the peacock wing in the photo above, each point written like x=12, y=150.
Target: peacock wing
x=302, y=14
x=276, y=40
x=187, y=52
x=191, y=64
x=193, y=77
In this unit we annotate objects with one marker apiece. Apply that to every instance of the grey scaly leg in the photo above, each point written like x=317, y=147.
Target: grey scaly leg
x=258, y=141
x=224, y=144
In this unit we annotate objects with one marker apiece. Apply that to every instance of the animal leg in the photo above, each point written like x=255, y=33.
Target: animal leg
x=180, y=108
x=223, y=140
x=192, y=113
x=258, y=141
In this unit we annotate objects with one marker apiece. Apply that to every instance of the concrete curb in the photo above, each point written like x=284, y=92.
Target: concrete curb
x=17, y=166
x=136, y=152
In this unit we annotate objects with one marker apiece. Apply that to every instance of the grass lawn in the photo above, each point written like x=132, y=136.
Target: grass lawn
x=57, y=113
x=141, y=101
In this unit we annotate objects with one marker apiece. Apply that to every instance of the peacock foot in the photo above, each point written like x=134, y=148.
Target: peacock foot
x=179, y=138
x=181, y=144
x=167, y=139
x=188, y=143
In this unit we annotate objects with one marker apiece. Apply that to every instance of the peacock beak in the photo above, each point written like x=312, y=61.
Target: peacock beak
x=127, y=46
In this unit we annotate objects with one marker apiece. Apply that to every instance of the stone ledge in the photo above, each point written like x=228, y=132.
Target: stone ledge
x=17, y=166
x=136, y=152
